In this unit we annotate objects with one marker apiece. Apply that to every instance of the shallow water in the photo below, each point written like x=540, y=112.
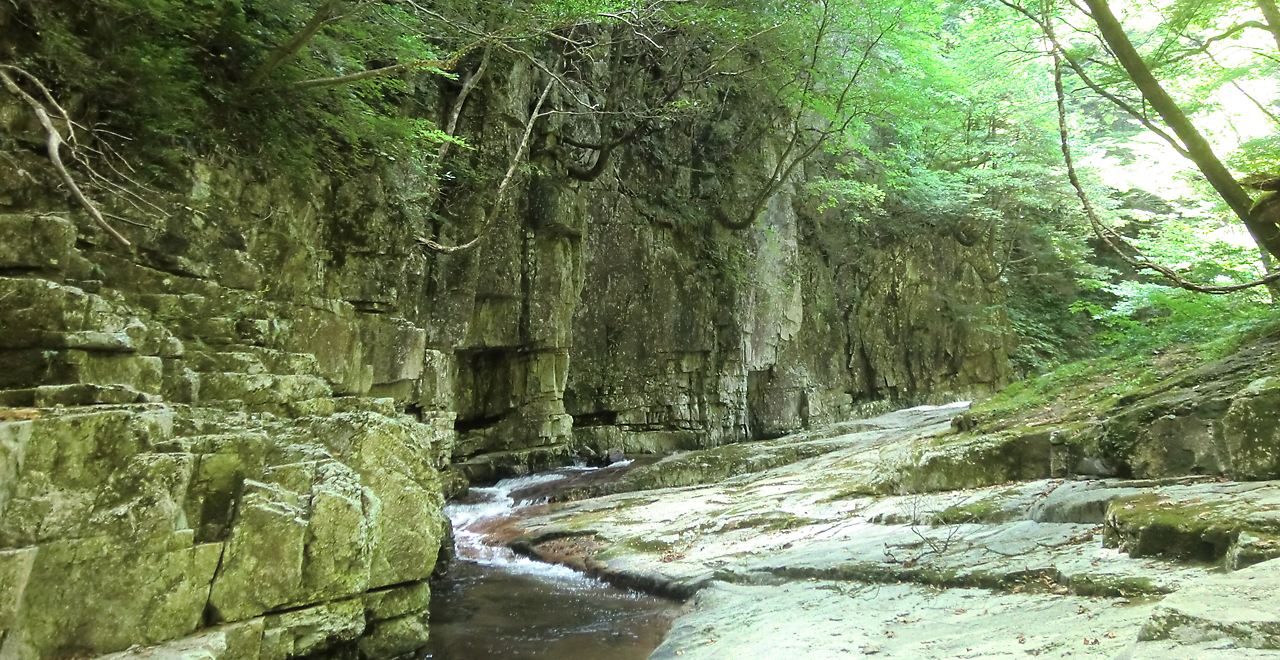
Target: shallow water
x=497, y=605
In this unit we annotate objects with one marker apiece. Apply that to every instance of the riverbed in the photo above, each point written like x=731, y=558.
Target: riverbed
x=494, y=604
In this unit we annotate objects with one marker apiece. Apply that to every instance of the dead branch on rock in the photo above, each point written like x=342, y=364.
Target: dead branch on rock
x=502, y=187
x=54, y=142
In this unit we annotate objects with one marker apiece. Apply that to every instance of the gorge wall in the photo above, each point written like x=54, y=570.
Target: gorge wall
x=241, y=434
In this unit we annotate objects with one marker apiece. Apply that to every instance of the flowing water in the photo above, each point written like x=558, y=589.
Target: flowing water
x=497, y=605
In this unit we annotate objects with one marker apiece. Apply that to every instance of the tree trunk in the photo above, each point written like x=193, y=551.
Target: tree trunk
x=284, y=52
x=1264, y=231
x=1272, y=14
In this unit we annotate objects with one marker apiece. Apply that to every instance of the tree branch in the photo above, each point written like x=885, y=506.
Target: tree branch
x=1141, y=117
x=442, y=65
x=1202, y=46
x=53, y=144
x=318, y=20
x=467, y=85
x=783, y=169
x=1108, y=235
x=502, y=187
x=1263, y=229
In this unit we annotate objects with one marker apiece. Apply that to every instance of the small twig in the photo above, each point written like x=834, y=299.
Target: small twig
x=53, y=144
x=127, y=221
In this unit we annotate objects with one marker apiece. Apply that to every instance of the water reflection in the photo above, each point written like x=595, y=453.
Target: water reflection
x=484, y=612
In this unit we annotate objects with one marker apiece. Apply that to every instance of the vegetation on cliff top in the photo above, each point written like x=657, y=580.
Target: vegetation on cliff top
x=921, y=109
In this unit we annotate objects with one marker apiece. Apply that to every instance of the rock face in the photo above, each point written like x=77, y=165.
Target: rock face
x=1213, y=418
x=1218, y=419
x=178, y=461
x=239, y=435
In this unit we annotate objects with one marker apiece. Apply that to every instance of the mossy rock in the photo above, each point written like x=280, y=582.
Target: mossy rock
x=975, y=461
x=1213, y=531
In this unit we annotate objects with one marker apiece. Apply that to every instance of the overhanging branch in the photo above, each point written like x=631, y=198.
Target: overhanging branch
x=502, y=187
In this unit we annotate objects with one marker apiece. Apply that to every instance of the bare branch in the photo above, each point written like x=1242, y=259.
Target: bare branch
x=502, y=187
x=1202, y=46
x=53, y=144
x=467, y=85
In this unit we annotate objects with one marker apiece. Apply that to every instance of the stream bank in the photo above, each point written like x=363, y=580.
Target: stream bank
x=817, y=547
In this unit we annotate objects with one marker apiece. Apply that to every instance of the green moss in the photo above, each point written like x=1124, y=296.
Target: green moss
x=856, y=491
x=1149, y=525
x=969, y=461
x=635, y=546
x=1112, y=586
x=771, y=521
x=983, y=511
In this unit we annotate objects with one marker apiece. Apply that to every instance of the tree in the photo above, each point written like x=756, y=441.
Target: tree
x=1260, y=219
x=1261, y=226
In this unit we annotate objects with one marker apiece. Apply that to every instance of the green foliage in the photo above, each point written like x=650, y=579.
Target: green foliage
x=1152, y=317
x=946, y=124
x=170, y=77
x=859, y=199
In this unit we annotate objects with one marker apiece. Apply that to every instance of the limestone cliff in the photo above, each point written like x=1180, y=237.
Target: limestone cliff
x=238, y=432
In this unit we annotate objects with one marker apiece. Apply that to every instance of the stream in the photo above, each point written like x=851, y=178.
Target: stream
x=495, y=604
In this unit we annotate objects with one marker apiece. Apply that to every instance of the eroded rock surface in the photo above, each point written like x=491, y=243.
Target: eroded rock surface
x=855, y=549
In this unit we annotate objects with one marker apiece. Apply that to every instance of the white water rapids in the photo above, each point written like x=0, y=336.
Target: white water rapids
x=487, y=508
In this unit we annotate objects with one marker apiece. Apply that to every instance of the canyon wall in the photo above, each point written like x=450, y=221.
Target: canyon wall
x=240, y=434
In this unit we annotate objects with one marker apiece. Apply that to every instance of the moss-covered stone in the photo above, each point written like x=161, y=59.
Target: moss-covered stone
x=311, y=630
x=1250, y=432
x=953, y=463
x=1206, y=529
x=122, y=597
x=262, y=568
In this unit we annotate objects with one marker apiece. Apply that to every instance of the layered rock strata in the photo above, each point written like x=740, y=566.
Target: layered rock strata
x=239, y=435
